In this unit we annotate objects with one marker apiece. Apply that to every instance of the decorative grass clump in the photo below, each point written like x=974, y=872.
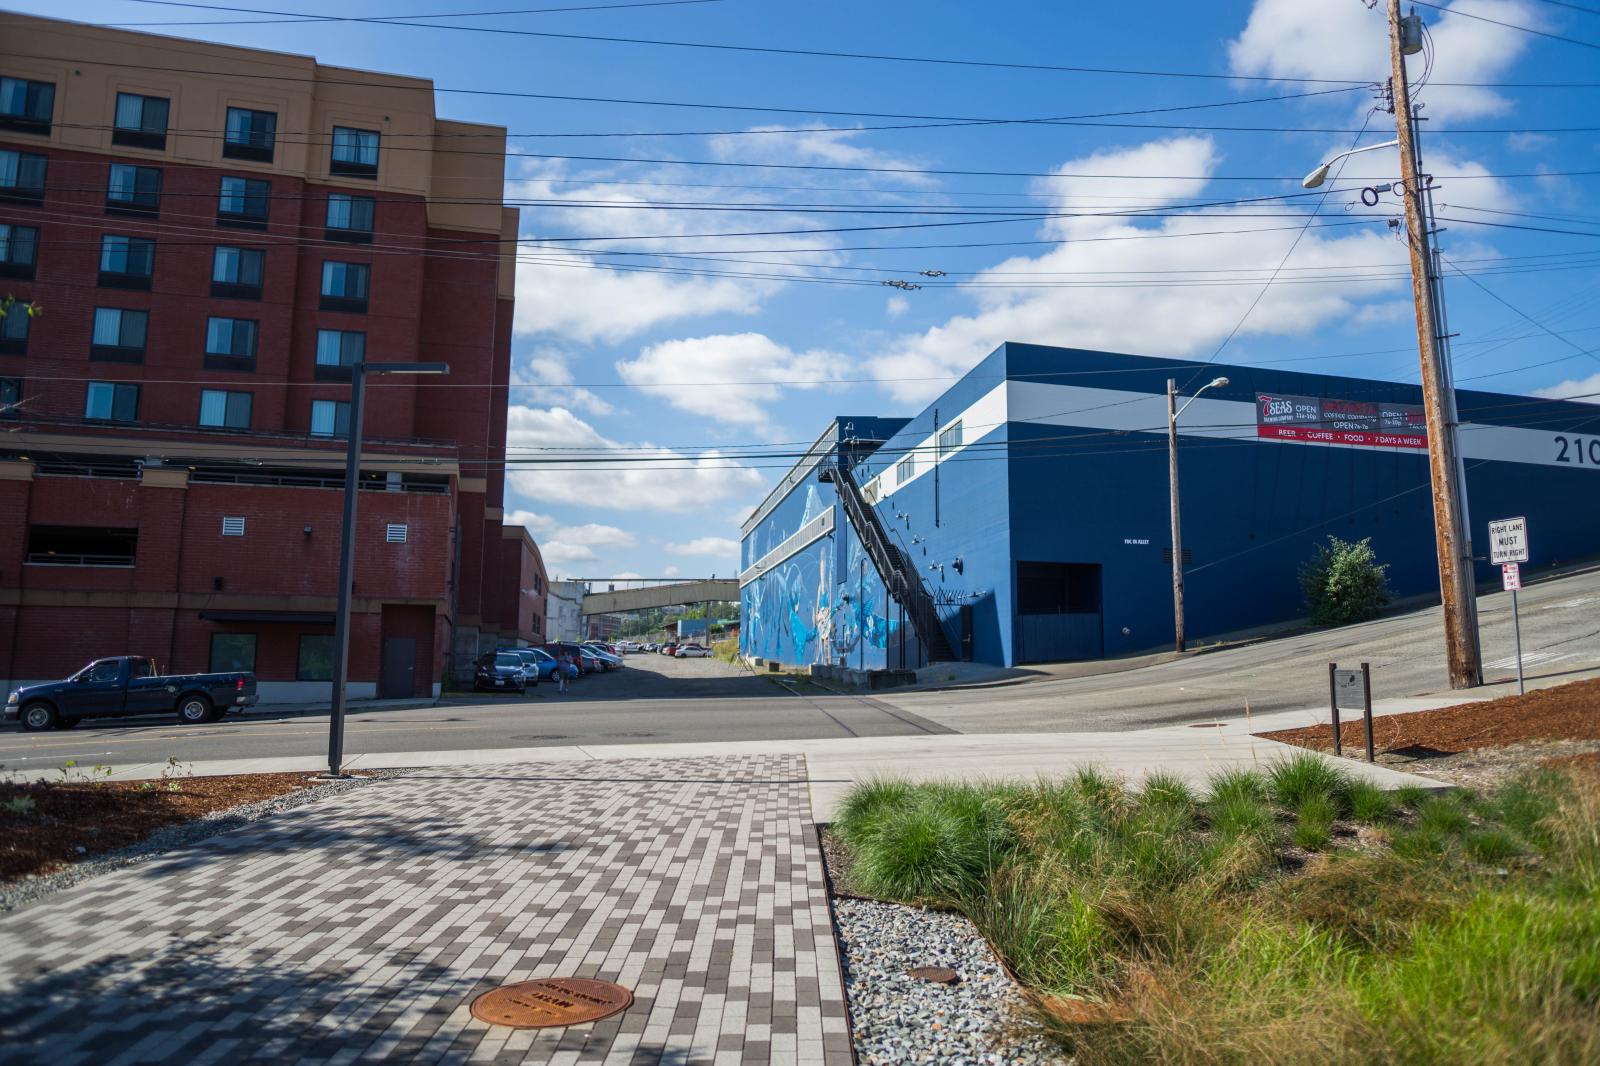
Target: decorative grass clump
x=1466, y=930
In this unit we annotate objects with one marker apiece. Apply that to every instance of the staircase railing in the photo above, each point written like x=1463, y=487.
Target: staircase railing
x=899, y=574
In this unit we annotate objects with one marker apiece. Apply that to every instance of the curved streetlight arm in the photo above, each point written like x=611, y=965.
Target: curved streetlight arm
x=1214, y=383
x=1317, y=177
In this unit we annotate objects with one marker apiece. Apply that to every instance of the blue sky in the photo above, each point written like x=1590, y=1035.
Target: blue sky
x=669, y=360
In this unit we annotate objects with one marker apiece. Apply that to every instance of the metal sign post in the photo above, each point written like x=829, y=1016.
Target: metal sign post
x=1508, y=547
x=1351, y=689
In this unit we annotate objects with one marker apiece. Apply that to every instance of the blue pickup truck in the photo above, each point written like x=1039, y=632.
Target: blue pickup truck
x=128, y=684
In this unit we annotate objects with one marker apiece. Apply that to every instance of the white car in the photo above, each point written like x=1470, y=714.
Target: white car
x=692, y=651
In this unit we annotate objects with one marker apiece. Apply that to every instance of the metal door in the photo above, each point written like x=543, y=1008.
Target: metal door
x=399, y=668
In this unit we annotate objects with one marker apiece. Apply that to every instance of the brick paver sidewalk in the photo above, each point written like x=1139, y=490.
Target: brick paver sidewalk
x=361, y=927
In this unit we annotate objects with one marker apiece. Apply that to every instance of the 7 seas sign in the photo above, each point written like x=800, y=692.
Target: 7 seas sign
x=1316, y=420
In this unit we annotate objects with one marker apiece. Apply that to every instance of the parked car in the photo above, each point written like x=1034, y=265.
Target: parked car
x=669, y=647
x=530, y=662
x=652, y=647
x=628, y=647
x=692, y=651
x=500, y=671
x=129, y=684
x=566, y=658
x=587, y=661
x=612, y=660
x=548, y=665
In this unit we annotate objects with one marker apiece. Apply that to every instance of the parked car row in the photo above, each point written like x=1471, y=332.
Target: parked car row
x=687, y=650
x=517, y=669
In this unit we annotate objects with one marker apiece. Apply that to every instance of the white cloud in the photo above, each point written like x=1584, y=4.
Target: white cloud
x=641, y=478
x=1529, y=142
x=718, y=547
x=896, y=306
x=670, y=571
x=1586, y=390
x=563, y=545
x=544, y=377
x=1297, y=39
x=575, y=300
x=722, y=369
x=537, y=523
x=835, y=148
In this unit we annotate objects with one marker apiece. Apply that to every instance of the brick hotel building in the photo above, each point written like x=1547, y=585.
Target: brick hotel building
x=196, y=241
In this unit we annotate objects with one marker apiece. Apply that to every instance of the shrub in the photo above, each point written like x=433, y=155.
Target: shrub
x=1370, y=804
x=1314, y=821
x=1344, y=582
x=1241, y=816
x=1300, y=777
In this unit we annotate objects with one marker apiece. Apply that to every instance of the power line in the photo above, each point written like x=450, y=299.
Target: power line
x=860, y=56
x=1476, y=18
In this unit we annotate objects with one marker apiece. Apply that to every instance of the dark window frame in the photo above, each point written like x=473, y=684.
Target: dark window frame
x=231, y=403
x=257, y=191
x=250, y=143
x=351, y=234
x=13, y=267
x=339, y=371
x=31, y=195
x=128, y=279
x=145, y=201
x=343, y=301
x=340, y=407
x=14, y=339
x=300, y=671
x=145, y=134
x=352, y=168
x=119, y=352
x=120, y=390
x=56, y=545
x=27, y=121
x=231, y=360
x=227, y=666
x=239, y=290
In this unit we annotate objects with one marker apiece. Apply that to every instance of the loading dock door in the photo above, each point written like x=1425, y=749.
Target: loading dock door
x=1059, y=612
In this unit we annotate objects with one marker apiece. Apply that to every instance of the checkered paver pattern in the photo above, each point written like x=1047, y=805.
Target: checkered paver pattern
x=359, y=928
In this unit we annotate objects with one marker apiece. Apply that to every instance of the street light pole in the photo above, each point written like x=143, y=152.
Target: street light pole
x=1173, y=411
x=347, y=544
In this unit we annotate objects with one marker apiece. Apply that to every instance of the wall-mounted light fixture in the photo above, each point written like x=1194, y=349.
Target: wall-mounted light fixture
x=306, y=530
x=960, y=565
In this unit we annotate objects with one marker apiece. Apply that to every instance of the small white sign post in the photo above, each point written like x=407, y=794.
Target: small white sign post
x=1508, y=547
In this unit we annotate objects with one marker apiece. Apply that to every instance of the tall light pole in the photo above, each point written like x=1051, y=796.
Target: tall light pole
x=347, y=544
x=1173, y=411
x=1452, y=535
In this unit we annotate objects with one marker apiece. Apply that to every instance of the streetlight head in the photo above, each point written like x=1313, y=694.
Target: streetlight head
x=1315, y=179
x=1217, y=383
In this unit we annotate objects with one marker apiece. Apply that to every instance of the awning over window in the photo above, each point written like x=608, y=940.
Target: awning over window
x=305, y=618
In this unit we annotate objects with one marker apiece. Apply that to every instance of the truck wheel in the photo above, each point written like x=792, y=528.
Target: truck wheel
x=38, y=717
x=195, y=710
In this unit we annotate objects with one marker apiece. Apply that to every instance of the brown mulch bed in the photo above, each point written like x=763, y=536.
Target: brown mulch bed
x=1565, y=712
x=71, y=820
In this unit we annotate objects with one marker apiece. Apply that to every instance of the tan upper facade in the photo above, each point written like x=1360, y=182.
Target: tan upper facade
x=458, y=166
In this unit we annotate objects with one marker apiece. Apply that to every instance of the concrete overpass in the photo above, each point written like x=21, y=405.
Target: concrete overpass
x=667, y=594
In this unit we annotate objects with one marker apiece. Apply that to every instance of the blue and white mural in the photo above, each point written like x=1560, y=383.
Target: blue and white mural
x=788, y=611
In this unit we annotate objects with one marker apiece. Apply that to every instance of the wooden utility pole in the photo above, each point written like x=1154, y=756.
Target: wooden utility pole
x=1177, y=536
x=1456, y=584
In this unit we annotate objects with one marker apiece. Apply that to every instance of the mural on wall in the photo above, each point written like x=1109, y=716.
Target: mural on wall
x=863, y=626
x=788, y=611
x=785, y=520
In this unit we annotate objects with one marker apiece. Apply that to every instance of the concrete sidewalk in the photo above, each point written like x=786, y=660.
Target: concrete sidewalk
x=834, y=764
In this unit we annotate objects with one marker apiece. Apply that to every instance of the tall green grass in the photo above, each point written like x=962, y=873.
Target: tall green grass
x=1473, y=936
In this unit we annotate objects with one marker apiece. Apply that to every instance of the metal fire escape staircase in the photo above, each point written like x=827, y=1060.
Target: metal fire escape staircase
x=899, y=574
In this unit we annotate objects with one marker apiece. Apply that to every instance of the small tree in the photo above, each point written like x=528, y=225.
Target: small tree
x=1344, y=583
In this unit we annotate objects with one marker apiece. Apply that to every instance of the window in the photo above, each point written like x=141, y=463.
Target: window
x=19, y=247
x=81, y=546
x=250, y=134
x=330, y=418
x=224, y=410
x=132, y=190
x=119, y=334
x=355, y=153
x=905, y=470
x=141, y=121
x=112, y=401
x=230, y=343
x=26, y=105
x=22, y=177
x=350, y=217
x=337, y=349
x=316, y=657
x=236, y=272
x=344, y=286
x=10, y=395
x=950, y=438
x=126, y=262
x=233, y=525
x=244, y=202
x=14, y=327
x=233, y=652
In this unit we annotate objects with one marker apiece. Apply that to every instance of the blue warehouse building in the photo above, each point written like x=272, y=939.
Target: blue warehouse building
x=1023, y=516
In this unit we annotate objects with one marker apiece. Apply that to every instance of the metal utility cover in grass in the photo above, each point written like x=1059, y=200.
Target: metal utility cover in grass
x=550, y=1002
x=939, y=975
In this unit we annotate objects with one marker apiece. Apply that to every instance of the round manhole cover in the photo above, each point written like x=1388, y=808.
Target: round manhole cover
x=551, y=1001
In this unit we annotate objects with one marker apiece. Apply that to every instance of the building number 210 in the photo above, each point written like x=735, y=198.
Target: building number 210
x=1573, y=449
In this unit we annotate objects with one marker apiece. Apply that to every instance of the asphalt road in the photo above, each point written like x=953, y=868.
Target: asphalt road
x=660, y=700
x=653, y=700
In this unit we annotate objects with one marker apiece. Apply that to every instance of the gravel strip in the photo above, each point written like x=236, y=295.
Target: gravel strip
x=899, y=1019
x=31, y=889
